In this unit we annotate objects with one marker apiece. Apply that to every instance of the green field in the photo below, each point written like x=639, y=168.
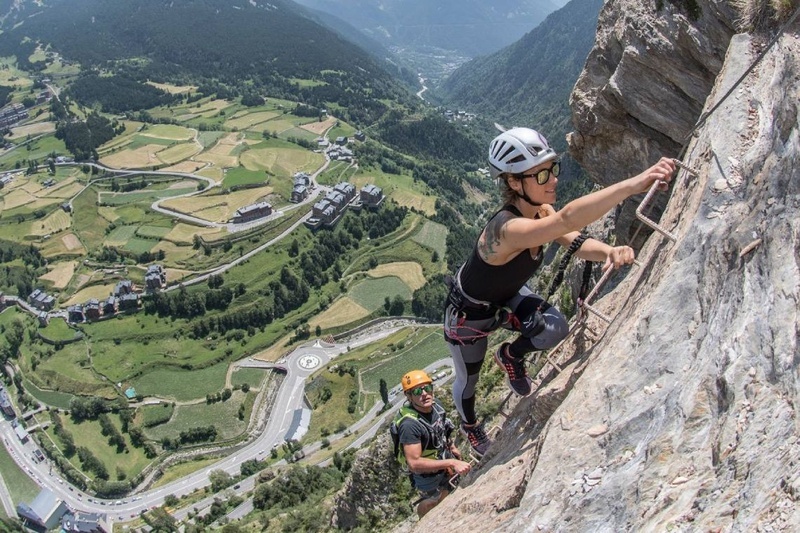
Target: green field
x=251, y=376
x=58, y=330
x=153, y=415
x=180, y=384
x=110, y=198
x=88, y=434
x=242, y=176
x=222, y=415
x=372, y=293
x=434, y=236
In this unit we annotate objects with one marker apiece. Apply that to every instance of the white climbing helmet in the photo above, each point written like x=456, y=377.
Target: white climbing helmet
x=519, y=149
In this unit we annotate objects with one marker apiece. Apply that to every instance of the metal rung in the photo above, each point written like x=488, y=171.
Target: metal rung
x=640, y=210
x=596, y=289
x=671, y=236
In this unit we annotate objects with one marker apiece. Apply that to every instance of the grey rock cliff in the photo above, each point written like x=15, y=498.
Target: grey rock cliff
x=680, y=414
x=643, y=88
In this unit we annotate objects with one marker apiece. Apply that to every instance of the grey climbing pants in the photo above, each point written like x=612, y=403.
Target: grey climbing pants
x=468, y=341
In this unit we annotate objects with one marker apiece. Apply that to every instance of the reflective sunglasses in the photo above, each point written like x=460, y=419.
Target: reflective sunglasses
x=417, y=391
x=543, y=176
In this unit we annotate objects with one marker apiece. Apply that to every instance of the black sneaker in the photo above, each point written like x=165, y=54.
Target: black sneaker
x=514, y=367
x=479, y=441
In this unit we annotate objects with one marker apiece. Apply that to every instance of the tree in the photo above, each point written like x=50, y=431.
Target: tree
x=219, y=480
x=384, y=391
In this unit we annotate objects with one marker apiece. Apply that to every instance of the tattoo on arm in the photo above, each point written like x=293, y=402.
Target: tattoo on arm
x=493, y=235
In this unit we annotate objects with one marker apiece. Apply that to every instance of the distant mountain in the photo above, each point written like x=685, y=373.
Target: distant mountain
x=466, y=27
x=529, y=82
x=266, y=44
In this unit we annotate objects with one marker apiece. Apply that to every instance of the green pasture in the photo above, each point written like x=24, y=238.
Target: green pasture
x=181, y=385
x=251, y=376
x=88, y=434
x=171, y=132
x=307, y=83
x=60, y=400
x=210, y=138
x=343, y=129
x=371, y=293
x=434, y=236
x=58, y=330
x=299, y=133
x=40, y=149
x=69, y=370
x=242, y=176
x=86, y=220
x=222, y=415
x=125, y=198
x=138, y=245
x=154, y=415
x=156, y=232
x=135, y=214
x=20, y=487
x=139, y=140
x=329, y=416
x=120, y=235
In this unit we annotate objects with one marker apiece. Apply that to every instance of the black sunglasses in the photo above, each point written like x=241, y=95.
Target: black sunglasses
x=417, y=391
x=543, y=176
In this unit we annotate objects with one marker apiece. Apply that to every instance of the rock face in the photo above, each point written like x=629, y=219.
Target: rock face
x=643, y=89
x=679, y=415
x=367, y=497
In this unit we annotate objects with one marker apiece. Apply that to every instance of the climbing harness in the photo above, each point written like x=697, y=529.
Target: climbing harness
x=437, y=431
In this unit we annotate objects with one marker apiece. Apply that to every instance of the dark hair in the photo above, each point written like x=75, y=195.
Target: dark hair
x=508, y=194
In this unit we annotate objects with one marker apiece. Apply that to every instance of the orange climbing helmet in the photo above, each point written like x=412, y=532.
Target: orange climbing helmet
x=413, y=379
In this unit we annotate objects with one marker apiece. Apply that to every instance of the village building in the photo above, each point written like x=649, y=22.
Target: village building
x=340, y=153
x=302, y=178
x=155, y=278
x=252, y=212
x=22, y=433
x=44, y=318
x=328, y=211
x=371, y=196
x=360, y=136
x=44, y=511
x=110, y=306
x=92, y=309
x=75, y=314
x=82, y=522
x=41, y=300
x=123, y=287
x=341, y=140
x=11, y=114
x=129, y=302
x=299, y=193
x=348, y=190
x=322, y=142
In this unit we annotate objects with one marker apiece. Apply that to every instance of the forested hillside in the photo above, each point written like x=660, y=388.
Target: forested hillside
x=267, y=45
x=529, y=82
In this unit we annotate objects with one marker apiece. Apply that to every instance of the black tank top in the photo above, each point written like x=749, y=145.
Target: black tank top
x=498, y=283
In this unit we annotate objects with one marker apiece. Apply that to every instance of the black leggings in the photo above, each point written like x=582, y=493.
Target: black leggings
x=467, y=340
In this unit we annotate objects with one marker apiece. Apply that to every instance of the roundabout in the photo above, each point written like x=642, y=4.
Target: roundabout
x=309, y=362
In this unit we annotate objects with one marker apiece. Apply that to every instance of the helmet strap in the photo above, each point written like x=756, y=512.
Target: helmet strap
x=527, y=198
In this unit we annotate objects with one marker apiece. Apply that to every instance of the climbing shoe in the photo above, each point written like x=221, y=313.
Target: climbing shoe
x=479, y=441
x=514, y=367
